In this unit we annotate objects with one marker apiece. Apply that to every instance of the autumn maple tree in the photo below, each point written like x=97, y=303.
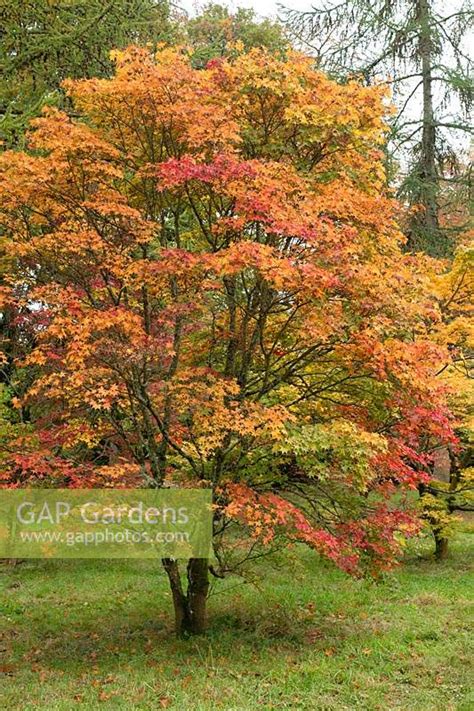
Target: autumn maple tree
x=211, y=267
x=442, y=501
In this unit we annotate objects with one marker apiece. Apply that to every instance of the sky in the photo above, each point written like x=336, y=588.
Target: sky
x=265, y=8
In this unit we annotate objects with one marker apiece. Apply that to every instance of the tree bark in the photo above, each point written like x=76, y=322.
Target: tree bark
x=198, y=588
x=441, y=543
x=430, y=238
x=190, y=607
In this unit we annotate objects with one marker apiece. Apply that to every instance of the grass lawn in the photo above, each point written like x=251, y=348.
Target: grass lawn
x=98, y=635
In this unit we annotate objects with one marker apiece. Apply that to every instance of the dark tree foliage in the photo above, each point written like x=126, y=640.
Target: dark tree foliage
x=43, y=42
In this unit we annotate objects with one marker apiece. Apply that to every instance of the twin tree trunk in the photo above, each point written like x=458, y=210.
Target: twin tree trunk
x=189, y=605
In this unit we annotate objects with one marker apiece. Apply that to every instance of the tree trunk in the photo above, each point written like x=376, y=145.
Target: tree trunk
x=189, y=607
x=441, y=550
x=198, y=588
x=429, y=237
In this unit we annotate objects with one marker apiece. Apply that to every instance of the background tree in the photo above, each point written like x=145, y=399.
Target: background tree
x=421, y=45
x=445, y=497
x=215, y=29
x=44, y=42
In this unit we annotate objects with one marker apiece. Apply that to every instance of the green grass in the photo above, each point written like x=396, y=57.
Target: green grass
x=98, y=635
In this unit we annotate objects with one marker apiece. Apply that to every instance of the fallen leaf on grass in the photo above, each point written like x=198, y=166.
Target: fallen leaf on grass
x=8, y=669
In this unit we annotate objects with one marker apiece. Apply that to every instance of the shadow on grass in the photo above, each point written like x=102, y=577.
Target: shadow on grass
x=51, y=626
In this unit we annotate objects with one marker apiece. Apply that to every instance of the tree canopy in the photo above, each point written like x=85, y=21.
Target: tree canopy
x=211, y=268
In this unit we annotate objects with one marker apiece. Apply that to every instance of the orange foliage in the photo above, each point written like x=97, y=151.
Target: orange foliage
x=210, y=259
